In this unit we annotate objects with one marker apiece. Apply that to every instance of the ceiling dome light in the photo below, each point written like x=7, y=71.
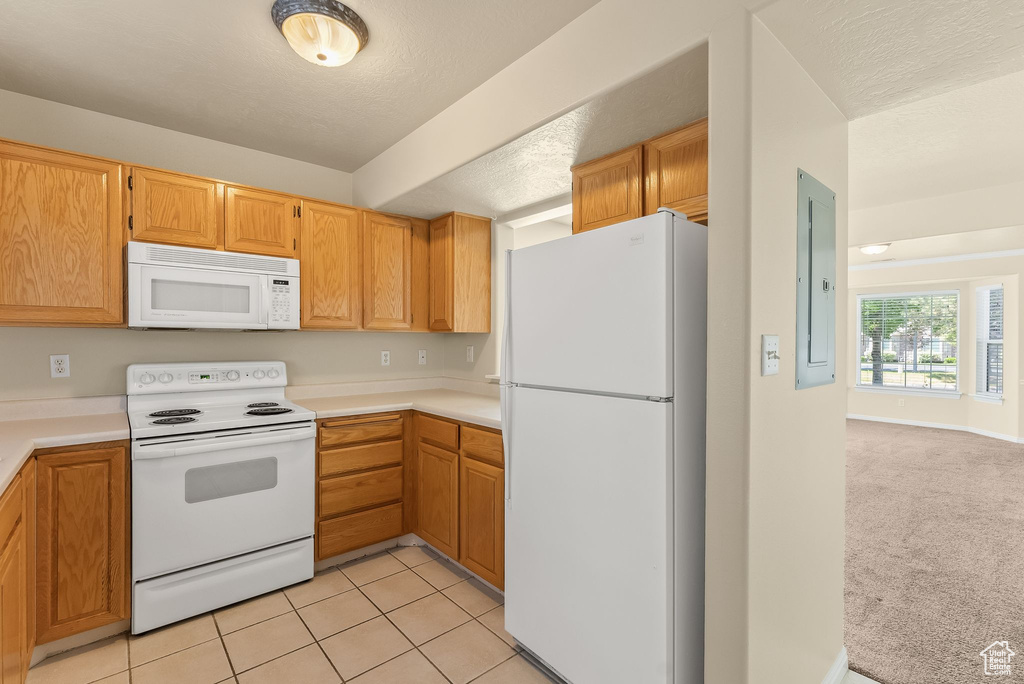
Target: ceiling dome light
x=875, y=249
x=323, y=32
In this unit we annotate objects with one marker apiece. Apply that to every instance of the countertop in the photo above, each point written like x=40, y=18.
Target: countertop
x=19, y=438
x=470, y=408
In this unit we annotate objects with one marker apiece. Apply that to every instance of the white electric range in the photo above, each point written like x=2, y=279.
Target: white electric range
x=223, y=487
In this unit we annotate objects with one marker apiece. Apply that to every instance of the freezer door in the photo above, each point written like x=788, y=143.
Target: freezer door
x=588, y=565
x=593, y=311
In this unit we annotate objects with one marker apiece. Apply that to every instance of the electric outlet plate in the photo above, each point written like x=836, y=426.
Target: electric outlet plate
x=385, y=358
x=769, y=354
x=421, y=357
x=60, y=365
x=469, y=353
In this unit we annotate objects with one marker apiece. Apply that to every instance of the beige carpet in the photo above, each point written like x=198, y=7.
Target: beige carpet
x=934, y=553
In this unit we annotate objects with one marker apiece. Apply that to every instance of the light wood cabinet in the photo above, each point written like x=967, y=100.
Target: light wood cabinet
x=482, y=519
x=175, y=209
x=14, y=634
x=82, y=578
x=387, y=272
x=420, y=275
x=607, y=190
x=330, y=259
x=361, y=482
x=61, y=238
x=460, y=273
x=260, y=222
x=437, y=490
x=676, y=171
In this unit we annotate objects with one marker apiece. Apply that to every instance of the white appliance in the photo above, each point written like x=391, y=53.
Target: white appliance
x=182, y=287
x=603, y=405
x=222, y=487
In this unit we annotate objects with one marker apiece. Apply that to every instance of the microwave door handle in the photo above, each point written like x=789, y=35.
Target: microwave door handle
x=265, y=301
x=222, y=444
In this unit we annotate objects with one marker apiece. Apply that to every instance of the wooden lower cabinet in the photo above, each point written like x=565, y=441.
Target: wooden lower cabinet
x=14, y=630
x=482, y=519
x=82, y=578
x=357, y=530
x=437, y=492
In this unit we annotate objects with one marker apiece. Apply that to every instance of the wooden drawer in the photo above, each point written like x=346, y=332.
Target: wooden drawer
x=346, y=431
x=350, y=492
x=357, y=530
x=440, y=432
x=11, y=506
x=361, y=457
x=483, y=446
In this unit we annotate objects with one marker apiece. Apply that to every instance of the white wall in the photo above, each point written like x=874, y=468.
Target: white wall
x=545, y=231
x=776, y=456
x=1004, y=419
x=42, y=122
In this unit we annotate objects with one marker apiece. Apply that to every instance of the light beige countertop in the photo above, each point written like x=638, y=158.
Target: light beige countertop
x=465, y=406
x=19, y=438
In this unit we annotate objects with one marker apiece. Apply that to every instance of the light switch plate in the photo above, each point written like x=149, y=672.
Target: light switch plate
x=769, y=354
x=469, y=354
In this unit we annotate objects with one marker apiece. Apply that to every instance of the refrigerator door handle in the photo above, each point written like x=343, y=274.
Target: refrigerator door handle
x=505, y=382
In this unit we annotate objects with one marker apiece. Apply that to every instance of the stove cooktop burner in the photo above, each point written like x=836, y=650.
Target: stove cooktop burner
x=174, y=412
x=269, y=411
x=174, y=420
x=263, y=404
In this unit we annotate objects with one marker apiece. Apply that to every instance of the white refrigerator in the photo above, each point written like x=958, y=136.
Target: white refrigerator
x=603, y=405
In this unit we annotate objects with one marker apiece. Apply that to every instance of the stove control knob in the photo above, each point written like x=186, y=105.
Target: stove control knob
x=232, y=375
x=146, y=379
x=258, y=374
x=165, y=378
x=273, y=373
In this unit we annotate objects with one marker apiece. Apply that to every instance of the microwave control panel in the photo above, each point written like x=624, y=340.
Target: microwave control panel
x=284, y=303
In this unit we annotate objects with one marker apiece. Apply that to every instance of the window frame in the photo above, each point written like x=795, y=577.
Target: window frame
x=980, y=394
x=955, y=393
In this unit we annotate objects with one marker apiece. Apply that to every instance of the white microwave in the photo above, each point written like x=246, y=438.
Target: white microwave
x=183, y=287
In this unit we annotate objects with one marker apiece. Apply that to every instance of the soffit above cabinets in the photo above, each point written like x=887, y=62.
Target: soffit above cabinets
x=221, y=70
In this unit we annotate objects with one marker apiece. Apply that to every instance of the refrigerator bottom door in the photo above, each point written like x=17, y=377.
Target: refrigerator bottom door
x=588, y=558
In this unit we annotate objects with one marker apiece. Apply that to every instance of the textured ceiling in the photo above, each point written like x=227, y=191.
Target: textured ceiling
x=962, y=140
x=871, y=55
x=221, y=70
x=535, y=167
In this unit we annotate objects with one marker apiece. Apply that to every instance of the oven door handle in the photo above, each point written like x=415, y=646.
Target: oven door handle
x=222, y=444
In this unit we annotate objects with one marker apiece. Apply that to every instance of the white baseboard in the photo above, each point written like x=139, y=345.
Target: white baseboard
x=937, y=426
x=52, y=648
x=839, y=668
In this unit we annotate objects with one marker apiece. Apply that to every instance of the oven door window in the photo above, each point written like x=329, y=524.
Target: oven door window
x=207, y=483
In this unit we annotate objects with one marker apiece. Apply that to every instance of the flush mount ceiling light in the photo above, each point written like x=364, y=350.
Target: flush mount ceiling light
x=323, y=32
x=875, y=249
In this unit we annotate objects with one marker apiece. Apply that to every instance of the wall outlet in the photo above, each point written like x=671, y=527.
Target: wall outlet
x=769, y=354
x=469, y=354
x=60, y=365
x=901, y=402
x=421, y=357
x=385, y=358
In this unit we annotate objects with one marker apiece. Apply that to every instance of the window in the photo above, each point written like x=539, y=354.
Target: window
x=909, y=341
x=990, y=341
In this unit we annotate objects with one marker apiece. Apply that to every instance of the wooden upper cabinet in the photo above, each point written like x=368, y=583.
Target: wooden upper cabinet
x=387, y=272
x=330, y=258
x=607, y=190
x=260, y=222
x=676, y=171
x=460, y=273
x=420, y=275
x=61, y=238
x=175, y=209
x=82, y=578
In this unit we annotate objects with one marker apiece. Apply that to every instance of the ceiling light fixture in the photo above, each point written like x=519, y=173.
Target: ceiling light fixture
x=875, y=249
x=323, y=32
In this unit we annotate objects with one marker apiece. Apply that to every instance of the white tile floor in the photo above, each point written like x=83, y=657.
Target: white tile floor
x=400, y=616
